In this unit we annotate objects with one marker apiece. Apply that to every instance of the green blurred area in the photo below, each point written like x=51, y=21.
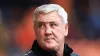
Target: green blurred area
x=4, y=40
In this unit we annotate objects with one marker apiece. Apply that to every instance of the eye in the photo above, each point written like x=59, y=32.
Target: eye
x=40, y=25
x=53, y=24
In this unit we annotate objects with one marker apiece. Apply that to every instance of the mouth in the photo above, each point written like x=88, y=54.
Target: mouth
x=49, y=39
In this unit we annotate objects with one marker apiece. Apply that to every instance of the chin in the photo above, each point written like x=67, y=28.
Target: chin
x=50, y=46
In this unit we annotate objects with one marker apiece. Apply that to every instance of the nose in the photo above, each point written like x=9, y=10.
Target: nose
x=48, y=31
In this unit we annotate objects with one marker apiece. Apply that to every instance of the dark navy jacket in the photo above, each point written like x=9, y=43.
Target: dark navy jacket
x=38, y=51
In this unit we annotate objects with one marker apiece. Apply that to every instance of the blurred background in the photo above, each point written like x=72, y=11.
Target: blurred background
x=17, y=33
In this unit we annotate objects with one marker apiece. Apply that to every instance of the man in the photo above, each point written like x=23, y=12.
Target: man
x=51, y=27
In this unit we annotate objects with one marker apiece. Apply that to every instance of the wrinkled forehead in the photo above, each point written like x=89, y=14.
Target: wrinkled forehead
x=48, y=17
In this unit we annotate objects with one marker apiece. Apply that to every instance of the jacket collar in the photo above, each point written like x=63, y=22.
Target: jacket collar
x=41, y=52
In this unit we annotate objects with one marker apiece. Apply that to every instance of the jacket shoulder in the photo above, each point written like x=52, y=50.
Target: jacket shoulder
x=30, y=53
x=74, y=54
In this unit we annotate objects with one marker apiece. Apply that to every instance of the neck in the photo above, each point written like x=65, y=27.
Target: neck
x=60, y=51
x=59, y=54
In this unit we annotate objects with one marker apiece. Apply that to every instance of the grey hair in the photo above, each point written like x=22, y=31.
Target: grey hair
x=49, y=8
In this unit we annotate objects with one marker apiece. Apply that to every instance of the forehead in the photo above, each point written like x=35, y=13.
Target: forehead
x=48, y=17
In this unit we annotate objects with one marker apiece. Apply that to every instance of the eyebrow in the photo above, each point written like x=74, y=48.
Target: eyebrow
x=46, y=22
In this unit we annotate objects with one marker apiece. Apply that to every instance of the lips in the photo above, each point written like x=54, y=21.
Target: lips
x=49, y=39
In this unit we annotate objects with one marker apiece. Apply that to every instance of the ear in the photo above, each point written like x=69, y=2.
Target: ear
x=66, y=29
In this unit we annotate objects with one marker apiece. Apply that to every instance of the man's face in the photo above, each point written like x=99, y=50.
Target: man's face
x=50, y=30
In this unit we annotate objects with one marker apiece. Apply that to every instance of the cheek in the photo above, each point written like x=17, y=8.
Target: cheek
x=40, y=33
x=59, y=32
